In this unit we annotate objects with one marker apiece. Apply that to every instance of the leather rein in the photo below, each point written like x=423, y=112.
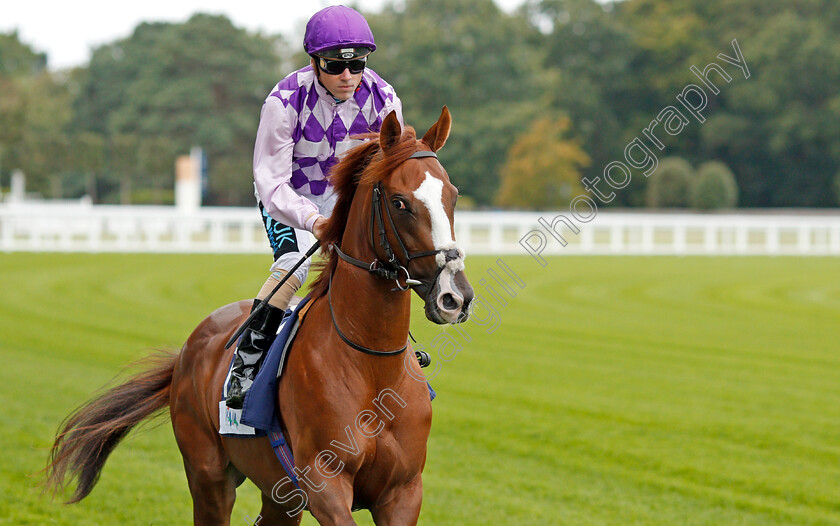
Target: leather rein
x=390, y=269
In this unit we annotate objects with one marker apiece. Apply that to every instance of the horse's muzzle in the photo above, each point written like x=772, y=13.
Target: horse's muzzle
x=450, y=297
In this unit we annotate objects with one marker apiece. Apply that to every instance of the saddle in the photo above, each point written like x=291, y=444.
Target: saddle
x=259, y=412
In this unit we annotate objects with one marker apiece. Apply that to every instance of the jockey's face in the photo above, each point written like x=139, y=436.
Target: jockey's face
x=343, y=85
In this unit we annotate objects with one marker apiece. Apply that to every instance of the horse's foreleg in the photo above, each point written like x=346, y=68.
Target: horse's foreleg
x=402, y=507
x=330, y=502
x=273, y=514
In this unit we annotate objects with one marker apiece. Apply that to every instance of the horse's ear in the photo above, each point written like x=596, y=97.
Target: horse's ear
x=390, y=133
x=439, y=132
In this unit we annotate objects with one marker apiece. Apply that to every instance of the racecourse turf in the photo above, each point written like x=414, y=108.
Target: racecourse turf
x=609, y=390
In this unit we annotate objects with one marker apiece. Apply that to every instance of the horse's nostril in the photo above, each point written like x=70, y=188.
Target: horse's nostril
x=450, y=302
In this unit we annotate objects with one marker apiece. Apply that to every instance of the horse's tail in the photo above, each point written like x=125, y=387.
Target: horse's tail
x=90, y=433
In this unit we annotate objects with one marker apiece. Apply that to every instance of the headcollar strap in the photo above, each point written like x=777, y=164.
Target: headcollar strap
x=422, y=153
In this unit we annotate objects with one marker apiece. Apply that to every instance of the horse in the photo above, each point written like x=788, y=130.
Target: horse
x=356, y=411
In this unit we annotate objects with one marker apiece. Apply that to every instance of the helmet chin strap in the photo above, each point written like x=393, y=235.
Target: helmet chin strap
x=336, y=99
x=318, y=77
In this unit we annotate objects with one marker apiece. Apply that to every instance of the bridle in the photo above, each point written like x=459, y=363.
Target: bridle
x=390, y=269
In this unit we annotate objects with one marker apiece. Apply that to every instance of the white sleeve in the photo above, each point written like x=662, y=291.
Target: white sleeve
x=395, y=105
x=273, y=168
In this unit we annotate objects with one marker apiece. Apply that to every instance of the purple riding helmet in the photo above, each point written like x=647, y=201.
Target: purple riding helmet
x=338, y=32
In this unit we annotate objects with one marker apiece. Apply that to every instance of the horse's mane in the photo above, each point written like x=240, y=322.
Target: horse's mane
x=365, y=164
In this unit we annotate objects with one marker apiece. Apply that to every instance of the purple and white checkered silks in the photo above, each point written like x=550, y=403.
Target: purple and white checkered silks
x=324, y=127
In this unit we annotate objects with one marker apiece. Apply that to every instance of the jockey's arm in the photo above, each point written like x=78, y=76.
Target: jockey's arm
x=273, y=168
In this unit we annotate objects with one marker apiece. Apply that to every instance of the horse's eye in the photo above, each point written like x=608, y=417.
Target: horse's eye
x=399, y=204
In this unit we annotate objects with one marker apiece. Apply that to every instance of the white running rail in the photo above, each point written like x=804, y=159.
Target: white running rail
x=81, y=227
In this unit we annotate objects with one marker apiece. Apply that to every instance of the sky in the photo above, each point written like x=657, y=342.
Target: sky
x=67, y=31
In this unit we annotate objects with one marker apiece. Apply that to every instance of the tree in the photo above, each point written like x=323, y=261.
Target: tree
x=543, y=168
x=122, y=164
x=156, y=159
x=777, y=129
x=19, y=64
x=589, y=61
x=87, y=154
x=792, y=102
x=18, y=59
x=473, y=58
x=12, y=119
x=36, y=133
x=198, y=83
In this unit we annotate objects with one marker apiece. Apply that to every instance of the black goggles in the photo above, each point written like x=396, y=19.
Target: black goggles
x=337, y=67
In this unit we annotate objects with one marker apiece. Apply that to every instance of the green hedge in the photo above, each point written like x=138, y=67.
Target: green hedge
x=837, y=187
x=669, y=186
x=714, y=187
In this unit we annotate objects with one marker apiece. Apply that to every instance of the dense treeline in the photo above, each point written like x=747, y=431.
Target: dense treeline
x=543, y=99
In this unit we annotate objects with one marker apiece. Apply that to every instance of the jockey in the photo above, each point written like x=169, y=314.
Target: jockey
x=306, y=123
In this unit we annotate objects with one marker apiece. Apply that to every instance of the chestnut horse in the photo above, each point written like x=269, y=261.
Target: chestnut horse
x=356, y=417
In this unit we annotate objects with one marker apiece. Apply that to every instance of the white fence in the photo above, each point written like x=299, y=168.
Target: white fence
x=85, y=228
x=642, y=233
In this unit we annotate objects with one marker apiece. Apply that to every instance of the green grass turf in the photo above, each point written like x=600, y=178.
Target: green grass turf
x=672, y=391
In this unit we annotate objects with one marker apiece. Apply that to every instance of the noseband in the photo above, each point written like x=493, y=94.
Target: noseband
x=390, y=269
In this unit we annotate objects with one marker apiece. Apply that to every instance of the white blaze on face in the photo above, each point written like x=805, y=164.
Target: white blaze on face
x=430, y=193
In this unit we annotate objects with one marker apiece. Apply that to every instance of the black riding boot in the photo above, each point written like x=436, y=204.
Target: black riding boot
x=256, y=340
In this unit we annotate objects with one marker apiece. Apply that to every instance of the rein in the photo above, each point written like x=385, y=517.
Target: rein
x=390, y=269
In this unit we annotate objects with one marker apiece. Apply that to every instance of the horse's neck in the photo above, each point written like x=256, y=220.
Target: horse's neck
x=367, y=311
